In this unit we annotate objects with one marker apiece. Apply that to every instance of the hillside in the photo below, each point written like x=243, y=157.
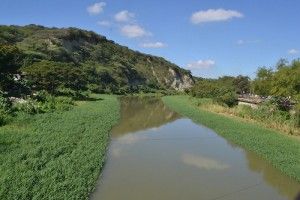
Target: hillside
x=113, y=66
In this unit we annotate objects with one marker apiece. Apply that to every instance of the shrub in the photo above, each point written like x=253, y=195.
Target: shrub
x=5, y=104
x=30, y=106
x=41, y=95
x=96, y=88
x=50, y=76
x=43, y=102
x=5, y=109
x=4, y=117
x=63, y=91
x=297, y=115
x=52, y=103
x=229, y=98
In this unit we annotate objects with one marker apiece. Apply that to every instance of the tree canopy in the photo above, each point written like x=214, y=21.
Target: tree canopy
x=49, y=75
x=284, y=81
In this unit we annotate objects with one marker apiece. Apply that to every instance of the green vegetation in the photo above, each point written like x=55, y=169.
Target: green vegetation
x=267, y=114
x=284, y=81
x=68, y=64
x=279, y=91
x=281, y=151
x=5, y=109
x=56, y=155
x=223, y=90
x=53, y=139
x=52, y=58
x=51, y=76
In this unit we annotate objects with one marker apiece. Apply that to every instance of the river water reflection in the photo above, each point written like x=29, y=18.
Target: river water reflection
x=156, y=154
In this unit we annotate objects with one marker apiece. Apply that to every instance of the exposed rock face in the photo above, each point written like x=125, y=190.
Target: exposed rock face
x=181, y=81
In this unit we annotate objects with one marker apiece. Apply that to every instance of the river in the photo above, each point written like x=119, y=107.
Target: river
x=155, y=154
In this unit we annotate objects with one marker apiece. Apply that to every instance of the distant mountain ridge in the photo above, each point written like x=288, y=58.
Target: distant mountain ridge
x=117, y=65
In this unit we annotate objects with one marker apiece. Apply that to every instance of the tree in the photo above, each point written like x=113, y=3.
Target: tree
x=10, y=58
x=10, y=61
x=281, y=63
x=242, y=84
x=205, y=89
x=49, y=75
x=262, y=84
x=286, y=80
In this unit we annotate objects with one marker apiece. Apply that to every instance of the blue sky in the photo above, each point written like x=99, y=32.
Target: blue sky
x=210, y=37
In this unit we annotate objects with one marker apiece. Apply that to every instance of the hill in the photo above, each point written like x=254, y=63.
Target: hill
x=109, y=66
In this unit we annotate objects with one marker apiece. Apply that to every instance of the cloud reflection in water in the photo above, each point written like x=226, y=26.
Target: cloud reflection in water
x=202, y=162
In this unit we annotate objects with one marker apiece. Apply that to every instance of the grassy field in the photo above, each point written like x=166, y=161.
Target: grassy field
x=56, y=155
x=281, y=151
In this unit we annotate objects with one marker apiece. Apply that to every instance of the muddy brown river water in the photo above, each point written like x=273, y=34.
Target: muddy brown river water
x=155, y=154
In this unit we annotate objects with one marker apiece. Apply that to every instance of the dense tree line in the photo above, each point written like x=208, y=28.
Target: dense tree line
x=224, y=89
x=281, y=82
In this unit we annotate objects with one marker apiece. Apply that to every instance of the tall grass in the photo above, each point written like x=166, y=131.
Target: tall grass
x=281, y=151
x=56, y=155
x=266, y=115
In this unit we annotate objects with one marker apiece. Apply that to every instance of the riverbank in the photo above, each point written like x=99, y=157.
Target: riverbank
x=264, y=115
x=56, y=155
x=281, y=151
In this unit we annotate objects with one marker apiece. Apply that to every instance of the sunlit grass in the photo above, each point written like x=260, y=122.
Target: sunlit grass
x=56, y=155
x=281, y=151
x=274, y=120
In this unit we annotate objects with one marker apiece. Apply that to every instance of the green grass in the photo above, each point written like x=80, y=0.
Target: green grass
x=267, y=115
x=281, y=151
x=56, y=155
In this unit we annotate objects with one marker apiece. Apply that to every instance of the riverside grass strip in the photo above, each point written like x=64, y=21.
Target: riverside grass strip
x=281, y=151
x=56, y=155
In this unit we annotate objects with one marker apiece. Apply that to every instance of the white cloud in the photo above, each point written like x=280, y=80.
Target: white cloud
x=153, y=45
x=96, y=8
x=133, y=31
x=124, y=16
x=201, y=64
x=213, y=15
x=203, y=162
x=293, y=51
x=130, y=139
x=104, y=23
x=243, y=42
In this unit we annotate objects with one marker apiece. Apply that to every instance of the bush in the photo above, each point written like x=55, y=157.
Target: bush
x=73, y=94
x=297, y=115
x=43, y=102
x=63, y=91
x=5, y=109
x=271, y=115
x=30, y=106
x=56, y=103
x=4, y=117
x=50, y=76
x=229, y=98
x=41, y=95
x=95, y=88
x=5, y=104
